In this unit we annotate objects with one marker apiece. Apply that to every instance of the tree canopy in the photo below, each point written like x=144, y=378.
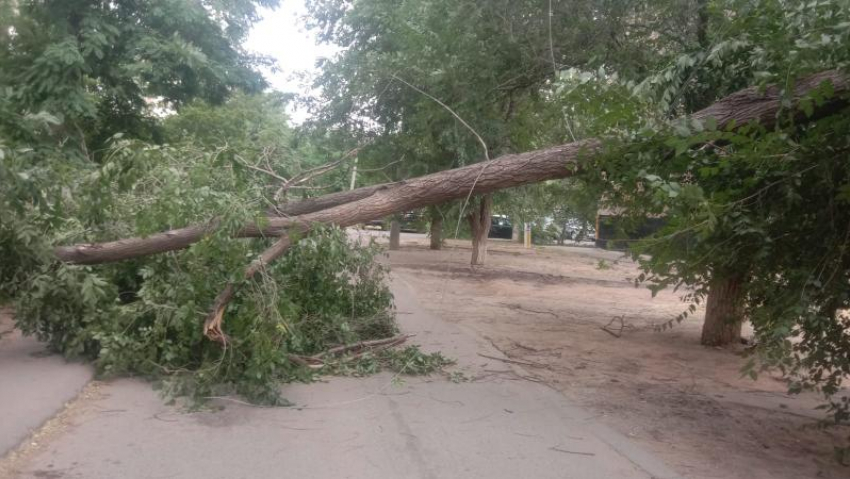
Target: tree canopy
x=102, y=68
x=763, y=205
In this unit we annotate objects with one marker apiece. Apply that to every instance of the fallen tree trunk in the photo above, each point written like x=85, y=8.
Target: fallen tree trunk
x=363, y=204
x=318, y=203
x=504, y=172
x=749, y=105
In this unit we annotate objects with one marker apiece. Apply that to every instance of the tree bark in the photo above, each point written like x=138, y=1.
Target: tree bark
x=395, y=235
x=723, y=312
x=436, y=232
x=310, y=205
x=479, y=221
x=749, y=105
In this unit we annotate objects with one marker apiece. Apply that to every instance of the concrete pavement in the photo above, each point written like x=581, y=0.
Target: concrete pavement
x=34, y=385
x=496, y=426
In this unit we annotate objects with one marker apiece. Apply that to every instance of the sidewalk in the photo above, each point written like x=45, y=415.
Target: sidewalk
x=497, y=426
x=34, y=385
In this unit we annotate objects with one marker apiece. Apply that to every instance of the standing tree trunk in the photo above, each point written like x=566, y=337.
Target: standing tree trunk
x=436, y=228
x=518, y=232
x=479, y=220
x=723, y=312
x=395, y=234
x=562, y=236
x=579, y=237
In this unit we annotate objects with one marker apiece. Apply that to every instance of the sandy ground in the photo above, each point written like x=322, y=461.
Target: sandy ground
x=549, y=393
x=498, y=423
x=689, y=404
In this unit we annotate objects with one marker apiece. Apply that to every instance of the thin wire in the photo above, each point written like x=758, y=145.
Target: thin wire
x=555, y=71
x=480, y=140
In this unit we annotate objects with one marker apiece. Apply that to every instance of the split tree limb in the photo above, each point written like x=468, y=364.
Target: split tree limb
x=212, y=324
x=318, y=203
x=307, y=175
x=363, y=204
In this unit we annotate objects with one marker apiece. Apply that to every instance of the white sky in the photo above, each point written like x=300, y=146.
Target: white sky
x=281, y=34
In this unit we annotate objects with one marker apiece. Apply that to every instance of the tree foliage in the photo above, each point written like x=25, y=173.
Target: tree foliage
x=494, y=64
x=102, y=68
x=768, y=205
x=124, y=118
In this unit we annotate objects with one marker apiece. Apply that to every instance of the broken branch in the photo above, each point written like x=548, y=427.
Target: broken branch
x=514, y=361
x=361, y=345
x=212, y=324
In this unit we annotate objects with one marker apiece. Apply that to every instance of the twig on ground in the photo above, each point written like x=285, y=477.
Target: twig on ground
x=566, y=451
x=243, y=403
x=375, y=349
x=386, y=342
x=527, y=348
x=514, y=361
x=156, y=416
x=619, y=333
x=521, y=308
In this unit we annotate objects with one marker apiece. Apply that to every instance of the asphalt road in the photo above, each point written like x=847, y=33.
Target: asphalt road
x=34, y=385
x=498, y=425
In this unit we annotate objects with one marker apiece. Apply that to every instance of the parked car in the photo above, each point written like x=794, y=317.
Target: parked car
x=410, y=222
x=379, y=223
x=500, y=227
x=413, y=222
x=612, y=232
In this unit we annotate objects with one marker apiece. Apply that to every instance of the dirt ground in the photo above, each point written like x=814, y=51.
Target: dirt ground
x=689, y=404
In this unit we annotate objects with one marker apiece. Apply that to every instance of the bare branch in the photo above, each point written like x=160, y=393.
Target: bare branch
x=262, y=170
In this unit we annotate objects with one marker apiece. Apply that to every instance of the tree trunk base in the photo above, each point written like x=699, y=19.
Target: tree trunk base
x=395, y=235
x=723, y=312
x=436, y=230
x=479, y=221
